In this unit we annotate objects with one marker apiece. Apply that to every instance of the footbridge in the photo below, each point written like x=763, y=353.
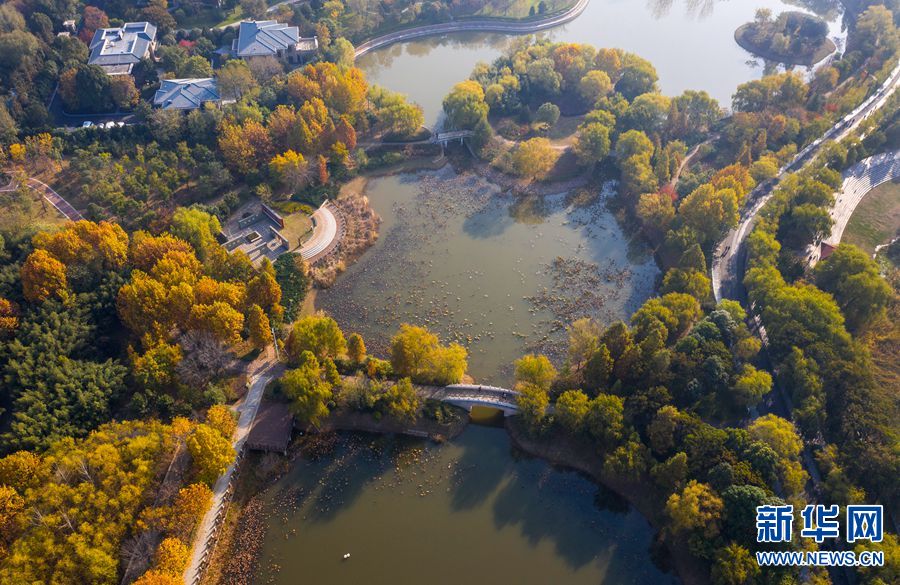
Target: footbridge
x=443, y=138
x=468, y=395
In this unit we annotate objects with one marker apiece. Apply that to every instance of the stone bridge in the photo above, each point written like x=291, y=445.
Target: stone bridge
x=443, y=138
x=468, y=395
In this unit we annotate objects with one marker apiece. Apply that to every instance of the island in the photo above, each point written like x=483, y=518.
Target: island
x=793, y=38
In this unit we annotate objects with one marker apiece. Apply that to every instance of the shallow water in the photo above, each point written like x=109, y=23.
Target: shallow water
x=472, y=510
x=690, y=42
x=501, y=276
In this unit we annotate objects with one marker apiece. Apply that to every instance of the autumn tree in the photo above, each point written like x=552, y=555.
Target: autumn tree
x=258, y=325
x=308, y=391
x=291, y=169
x=221, y=419
x=43, y=277
x=318, y=334
x=211, y=453
x=696, y=508
x=418, y=354
x=533, y=158
x=356, y=348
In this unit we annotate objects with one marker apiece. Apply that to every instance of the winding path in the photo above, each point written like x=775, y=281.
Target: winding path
x=55, y=199
x=859, y=180
x=474, y=25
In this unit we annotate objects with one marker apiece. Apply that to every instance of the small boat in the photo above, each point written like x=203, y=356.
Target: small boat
x=346, y=556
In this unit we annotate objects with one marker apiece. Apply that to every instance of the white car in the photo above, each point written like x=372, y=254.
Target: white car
x=87, y=124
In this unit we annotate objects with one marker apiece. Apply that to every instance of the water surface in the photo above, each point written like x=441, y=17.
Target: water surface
x=690, y=42
x=501, y=275
x=469, y=511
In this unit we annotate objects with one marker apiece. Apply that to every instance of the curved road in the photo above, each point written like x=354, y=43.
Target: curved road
x=729, y=260
x=859, y=180
x=473, y=25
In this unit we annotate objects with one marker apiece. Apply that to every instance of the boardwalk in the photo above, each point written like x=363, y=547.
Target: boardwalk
x=261, y=373
x=55, y=199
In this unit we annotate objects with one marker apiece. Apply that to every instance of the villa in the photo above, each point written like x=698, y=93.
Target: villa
x=269, y=38
x=117, y=50
x=186, y=94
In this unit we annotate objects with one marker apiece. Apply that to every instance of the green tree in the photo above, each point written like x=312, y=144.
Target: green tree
x=572, y=408
x=592, y=143
x=465, y=106
x=605, y=420
x=309, y=393
x=853, y=278
x=751, y=385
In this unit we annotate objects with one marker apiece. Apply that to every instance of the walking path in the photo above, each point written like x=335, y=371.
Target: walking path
x=477, y=25
x=261, y=372
x=859, y=180
x=55, y=199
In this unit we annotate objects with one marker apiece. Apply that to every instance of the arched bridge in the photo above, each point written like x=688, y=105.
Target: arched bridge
x=469, y=395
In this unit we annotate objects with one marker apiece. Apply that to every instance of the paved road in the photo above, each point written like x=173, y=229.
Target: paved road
x=326, y=234
x=858, y=181
x=261, y=373
x=473, y=25
x=729, y=259
x=55, y=199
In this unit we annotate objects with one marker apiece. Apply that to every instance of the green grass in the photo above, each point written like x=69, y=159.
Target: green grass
x=876, y=219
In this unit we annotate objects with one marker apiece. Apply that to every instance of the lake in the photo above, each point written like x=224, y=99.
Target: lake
x=472, y=510
x=690, y=42
x=502, y=276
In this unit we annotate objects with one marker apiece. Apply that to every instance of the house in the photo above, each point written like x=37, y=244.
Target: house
x=269, y=38
x=117, y=50
x=186, y=94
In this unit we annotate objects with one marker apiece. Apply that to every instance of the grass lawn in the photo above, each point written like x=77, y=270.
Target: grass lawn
x=876, y=219
x=297, y=228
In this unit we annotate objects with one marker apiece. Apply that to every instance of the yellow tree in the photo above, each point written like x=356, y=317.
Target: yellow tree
x=171, y=557
x=211, y=453
x=220, y=319
x=290, y=168
x=43, y=277
x=534, y=158
x=356, y=348
x=259, y=327
x=9, y=319
x=221, y=418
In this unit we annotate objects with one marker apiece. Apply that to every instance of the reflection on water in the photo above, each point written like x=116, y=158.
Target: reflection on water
x=503, y=276
x=410, y=513
x=690, y=42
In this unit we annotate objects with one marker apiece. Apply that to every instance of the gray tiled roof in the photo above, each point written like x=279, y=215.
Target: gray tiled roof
x=186, y=94
x=127, y=45
x=264, y=37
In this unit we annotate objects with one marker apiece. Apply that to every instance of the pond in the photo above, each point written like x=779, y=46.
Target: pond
x=690, y=42
x=501, y=275
x=471, y=510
